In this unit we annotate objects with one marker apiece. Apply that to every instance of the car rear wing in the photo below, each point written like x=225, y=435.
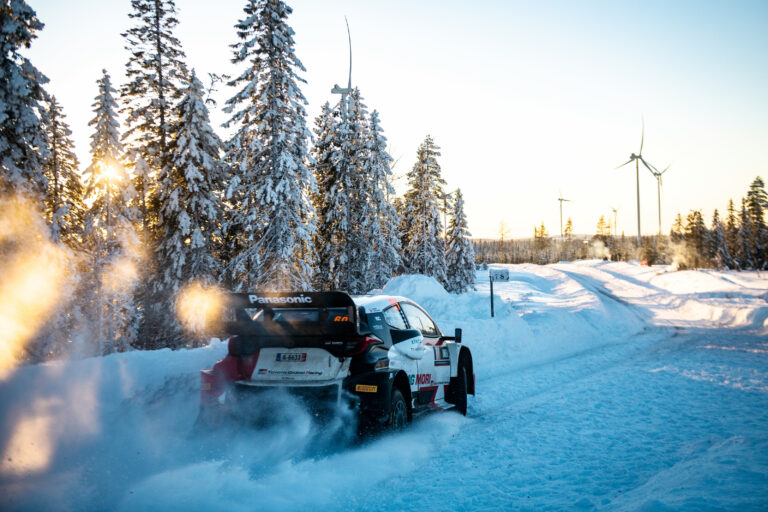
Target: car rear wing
x=286, y=319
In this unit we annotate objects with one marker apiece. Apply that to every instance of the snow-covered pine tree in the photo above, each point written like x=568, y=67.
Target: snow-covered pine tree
x=385, y=235
x=745, y=248
x=676, y=232
x=190, y=209
x=425, y=252
x=23, y=145
x=324, y=172
x=107, y=304
x=718, y=248
x=156, y=74
x=757, y=202
x=696, y=235
x=460, y=255
x=64, y=206
x=268, y=155
x=732, y=235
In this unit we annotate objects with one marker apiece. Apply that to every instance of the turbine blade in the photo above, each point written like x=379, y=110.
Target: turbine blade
x=666, y=168
x=642, y=135
x=649, y=167
x=625, y=163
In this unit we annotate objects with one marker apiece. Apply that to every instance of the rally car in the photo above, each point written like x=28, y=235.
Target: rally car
x=381, y=355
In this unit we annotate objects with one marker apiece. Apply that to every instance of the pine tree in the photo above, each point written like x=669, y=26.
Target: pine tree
x=603, y=229
x=676, y=233
x=745, y=246
x=23, y=145
x=757, y=202
x=64, y=206
x=155, y=74
x=568, y=231
x=349, y=217
x=190, y=211
x=696, y=238
x=732, y=235
x=385, y=236
x=106, y=147
x=460, y=256
x=324, y=172
x=268, y=154
x=110, y=246
x=718, y=248
x=425, y=252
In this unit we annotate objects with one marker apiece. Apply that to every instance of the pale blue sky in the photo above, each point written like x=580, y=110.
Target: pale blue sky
x=523, y=97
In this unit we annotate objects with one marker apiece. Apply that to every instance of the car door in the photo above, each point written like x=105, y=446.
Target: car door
x=434, y=374
x=395, y=320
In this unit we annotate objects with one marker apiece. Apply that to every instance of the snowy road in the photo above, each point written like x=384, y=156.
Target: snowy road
x=600, y=386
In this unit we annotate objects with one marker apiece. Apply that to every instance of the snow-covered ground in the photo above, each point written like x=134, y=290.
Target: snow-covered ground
x=608, y=386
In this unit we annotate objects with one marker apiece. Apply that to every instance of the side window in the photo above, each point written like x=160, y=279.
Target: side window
x=393, y=318
x=419, y=320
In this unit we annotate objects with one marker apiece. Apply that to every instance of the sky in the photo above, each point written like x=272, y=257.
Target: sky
x=527, y=100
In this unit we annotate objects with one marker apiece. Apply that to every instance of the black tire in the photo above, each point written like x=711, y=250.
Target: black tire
x=459, y=391
x=398, y=411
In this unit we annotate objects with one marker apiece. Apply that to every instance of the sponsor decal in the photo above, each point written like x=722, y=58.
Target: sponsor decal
x=205, y=386
x=423, y=378
x=364, y=388
x=301, y=299
x=263, y=371
x=339, y=318
x=442, y=363
x=291, y=372
x=411, y=379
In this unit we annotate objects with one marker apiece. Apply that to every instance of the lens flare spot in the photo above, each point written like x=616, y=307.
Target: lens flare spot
x=200, y=307
x=33, y=270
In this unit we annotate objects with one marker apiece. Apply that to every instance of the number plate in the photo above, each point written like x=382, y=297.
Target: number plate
x=291, y=357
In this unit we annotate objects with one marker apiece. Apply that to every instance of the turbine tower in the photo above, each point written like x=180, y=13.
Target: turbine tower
x=637, y=158
x=659, y=185
x=348, y=90
x=561, y=199
x=615, y=221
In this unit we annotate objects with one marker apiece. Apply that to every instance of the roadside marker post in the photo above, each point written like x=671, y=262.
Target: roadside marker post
x=497, y=275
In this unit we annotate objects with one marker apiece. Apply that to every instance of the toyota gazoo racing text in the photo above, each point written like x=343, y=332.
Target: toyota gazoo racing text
x=383, y=356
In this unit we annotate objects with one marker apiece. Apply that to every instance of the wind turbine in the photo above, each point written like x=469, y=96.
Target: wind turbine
x=637, y=158
x=561, y=199
x=615, y=221
x=657, y=175
x=348, y=90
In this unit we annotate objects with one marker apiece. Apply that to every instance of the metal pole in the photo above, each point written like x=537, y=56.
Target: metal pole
x=637, y=179
x=491, y=278
x=658, y=197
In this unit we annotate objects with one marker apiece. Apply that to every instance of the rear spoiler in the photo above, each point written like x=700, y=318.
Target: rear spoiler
x=327, y=314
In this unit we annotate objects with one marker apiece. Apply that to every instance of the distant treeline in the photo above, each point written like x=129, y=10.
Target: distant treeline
x=738, y=242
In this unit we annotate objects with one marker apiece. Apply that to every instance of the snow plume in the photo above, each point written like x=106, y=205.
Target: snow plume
x=598, y=250
x=33, y=270
x=680, y=256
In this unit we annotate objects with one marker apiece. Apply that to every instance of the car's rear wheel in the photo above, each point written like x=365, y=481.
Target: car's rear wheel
x=398, y=414
x=459, y=390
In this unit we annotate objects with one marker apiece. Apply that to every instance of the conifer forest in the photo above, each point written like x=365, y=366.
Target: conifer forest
x=167, y=210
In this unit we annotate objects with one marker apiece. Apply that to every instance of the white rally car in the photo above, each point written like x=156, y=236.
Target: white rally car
x=384, y=355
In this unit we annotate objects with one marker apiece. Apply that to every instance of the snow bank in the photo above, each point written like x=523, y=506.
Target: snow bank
x=114, y=432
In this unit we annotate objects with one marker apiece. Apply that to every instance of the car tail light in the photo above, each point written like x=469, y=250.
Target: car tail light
x=363, y=344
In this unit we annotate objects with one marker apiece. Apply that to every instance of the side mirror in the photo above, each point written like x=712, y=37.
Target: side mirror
x=408, y=342
x=457, y=336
